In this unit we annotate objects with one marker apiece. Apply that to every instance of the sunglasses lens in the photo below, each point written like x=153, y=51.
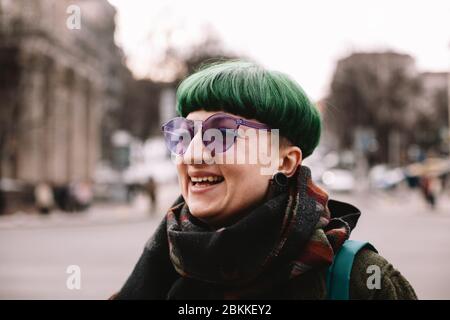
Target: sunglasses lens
x=178, y=134
x=219, y=133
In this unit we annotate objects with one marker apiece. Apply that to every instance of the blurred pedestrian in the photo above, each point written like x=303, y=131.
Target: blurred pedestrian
x=133, y=189
x=430, y=187
x=151, y=191
x=81, y=194
x=43, y=195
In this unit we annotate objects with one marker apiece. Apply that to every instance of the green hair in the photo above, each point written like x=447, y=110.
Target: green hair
x=248, y=90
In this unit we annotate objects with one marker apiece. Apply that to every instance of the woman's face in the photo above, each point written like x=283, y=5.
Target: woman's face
x=235, y=187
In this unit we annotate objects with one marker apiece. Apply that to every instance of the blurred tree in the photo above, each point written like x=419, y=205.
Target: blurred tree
x=140, y=113
x=9, y=110
x=377, y=91
x=432, y=125
x=209, y=48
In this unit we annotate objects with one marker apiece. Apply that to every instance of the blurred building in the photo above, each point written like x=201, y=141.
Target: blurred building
x=434, y=80
x=380, y=104
x=56, y=84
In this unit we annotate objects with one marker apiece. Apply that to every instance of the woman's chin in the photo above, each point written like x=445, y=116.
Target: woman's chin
x=202, y=210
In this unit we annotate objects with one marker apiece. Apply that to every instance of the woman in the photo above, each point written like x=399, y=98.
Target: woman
x=238, y=231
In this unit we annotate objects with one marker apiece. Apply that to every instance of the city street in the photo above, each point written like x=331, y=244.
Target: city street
x=100, y=98
x=106, y=242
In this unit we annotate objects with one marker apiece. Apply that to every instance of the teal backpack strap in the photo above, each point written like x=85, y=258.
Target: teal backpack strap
x=338, y=276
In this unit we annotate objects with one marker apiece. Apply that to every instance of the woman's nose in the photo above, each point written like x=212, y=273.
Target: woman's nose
x=197, y=153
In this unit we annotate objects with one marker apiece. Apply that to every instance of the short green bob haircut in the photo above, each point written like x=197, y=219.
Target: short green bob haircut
x=248, y=90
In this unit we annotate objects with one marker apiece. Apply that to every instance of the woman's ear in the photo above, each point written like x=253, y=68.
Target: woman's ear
x=290, y=159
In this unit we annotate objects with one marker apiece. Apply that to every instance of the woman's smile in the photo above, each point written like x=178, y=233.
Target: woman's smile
x=201, y=182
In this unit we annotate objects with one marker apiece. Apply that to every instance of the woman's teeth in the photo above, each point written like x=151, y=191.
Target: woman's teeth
x=208, y=179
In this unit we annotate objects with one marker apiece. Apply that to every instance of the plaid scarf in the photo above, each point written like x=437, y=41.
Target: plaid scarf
x=286, y=236
x=289, y=234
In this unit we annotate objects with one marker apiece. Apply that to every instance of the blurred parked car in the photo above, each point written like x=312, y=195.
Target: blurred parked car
x=15, y=195
x=383, y=177
x=339, y=180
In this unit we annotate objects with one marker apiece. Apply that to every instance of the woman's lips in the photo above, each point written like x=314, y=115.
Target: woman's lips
x=200, y=188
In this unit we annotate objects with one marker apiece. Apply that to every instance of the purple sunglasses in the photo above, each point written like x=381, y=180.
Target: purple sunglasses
x=219, y=132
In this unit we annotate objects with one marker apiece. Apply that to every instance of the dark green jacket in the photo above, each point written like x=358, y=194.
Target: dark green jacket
x=393, y=285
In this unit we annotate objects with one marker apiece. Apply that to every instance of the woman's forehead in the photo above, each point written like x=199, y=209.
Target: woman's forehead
x=203, y=114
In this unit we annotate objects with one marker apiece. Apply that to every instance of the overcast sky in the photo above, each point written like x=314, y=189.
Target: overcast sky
x=301, y=38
